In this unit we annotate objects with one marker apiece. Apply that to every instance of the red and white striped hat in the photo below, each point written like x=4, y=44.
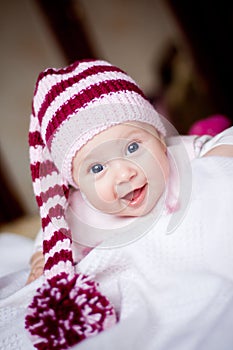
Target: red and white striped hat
x=70, y=106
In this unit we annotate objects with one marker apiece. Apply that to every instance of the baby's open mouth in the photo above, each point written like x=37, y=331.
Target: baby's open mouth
x=136, y=197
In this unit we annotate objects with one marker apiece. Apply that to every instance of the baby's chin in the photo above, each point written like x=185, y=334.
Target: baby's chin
x=133, y=215
x=129, y=213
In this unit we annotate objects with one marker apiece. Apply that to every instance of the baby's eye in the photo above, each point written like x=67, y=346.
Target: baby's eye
x=132, y=147
x=97, y=168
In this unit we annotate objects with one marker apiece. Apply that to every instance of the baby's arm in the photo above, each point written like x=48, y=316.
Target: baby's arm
x=218, y=145
x=222, y=150
x=37, y=260
x=37, y=266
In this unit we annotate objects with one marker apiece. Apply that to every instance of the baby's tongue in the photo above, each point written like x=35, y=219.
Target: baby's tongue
x=133, y=195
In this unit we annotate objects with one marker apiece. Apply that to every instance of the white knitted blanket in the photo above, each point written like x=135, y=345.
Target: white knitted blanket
x=175, y=291
x=172, y=292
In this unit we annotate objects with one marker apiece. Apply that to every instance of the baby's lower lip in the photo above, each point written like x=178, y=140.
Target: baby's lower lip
x=138, y=197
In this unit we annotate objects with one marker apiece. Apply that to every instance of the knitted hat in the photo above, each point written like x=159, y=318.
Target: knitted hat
x=70, y=106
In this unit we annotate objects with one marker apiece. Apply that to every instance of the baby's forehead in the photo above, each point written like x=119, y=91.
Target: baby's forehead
x=118, y=132
x=125, y=130
x=110, y=137
x=140, y=126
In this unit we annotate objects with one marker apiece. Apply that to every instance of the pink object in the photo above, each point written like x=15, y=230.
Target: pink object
x=211, y=125
x=71, y=307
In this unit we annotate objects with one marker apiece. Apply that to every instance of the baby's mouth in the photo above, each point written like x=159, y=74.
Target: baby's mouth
x=136, y=197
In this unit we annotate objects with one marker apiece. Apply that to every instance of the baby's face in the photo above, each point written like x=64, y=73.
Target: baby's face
x=123, y=170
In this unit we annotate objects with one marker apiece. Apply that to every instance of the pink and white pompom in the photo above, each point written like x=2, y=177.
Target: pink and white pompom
x=66, y=311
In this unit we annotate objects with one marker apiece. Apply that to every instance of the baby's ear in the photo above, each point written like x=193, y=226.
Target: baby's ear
x=162, y=140
x=74, y=174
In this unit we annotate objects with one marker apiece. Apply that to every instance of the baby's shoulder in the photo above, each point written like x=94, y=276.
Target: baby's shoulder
x=218, y=145
x=205, y=145
x=220, y=150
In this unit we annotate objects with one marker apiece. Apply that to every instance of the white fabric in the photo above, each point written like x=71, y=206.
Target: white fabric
x=171, y=292
x=15, y=253
x=181, y=284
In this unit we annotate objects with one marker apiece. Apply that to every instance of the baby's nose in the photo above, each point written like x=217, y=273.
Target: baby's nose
x=124, y=171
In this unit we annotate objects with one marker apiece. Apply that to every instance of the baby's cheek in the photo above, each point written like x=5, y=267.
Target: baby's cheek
x=99, y=194
x=104, y=193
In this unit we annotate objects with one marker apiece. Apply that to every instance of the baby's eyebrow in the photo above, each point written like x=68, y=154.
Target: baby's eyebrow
x=93, y=158
x=131, y=133
x=89, y=159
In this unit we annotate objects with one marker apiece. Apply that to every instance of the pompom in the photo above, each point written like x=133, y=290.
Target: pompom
x=67, y=310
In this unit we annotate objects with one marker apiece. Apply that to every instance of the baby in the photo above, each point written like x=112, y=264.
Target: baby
x=99, y=149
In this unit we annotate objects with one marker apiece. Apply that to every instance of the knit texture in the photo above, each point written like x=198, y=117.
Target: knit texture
x=177, y=288
x=70, y=106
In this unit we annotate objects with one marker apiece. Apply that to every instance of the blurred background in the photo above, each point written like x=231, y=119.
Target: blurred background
x=180, y=53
